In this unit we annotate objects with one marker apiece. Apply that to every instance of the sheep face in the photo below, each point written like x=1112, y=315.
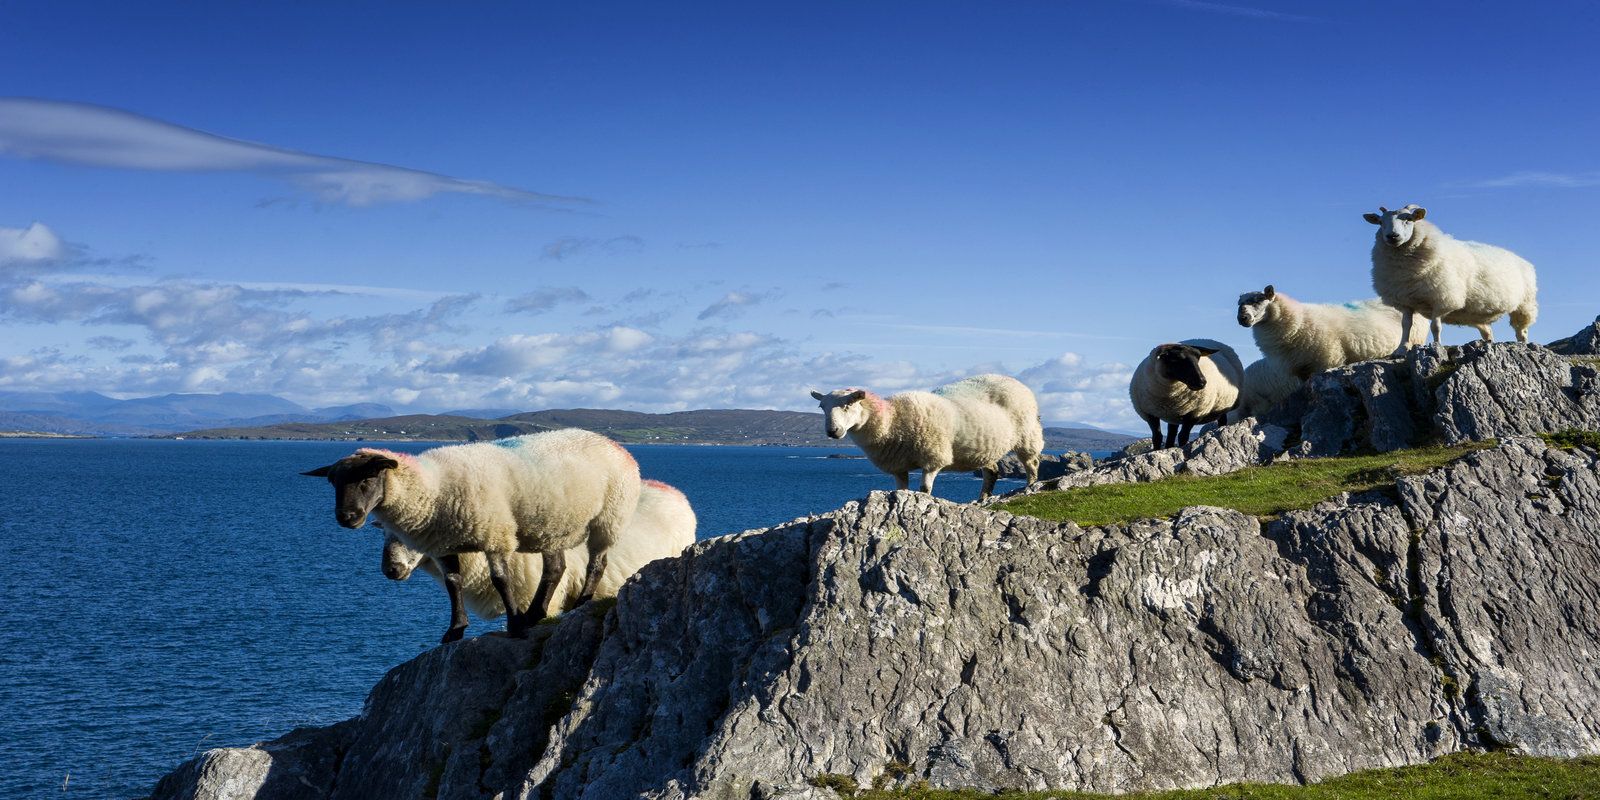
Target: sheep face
x=1256, y=306
x=357, y=485
x=842, y=410
x=1395, y=228
x=1181, y=363
x=398, y=560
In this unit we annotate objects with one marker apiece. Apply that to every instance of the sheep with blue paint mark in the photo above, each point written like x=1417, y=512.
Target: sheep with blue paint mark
x=541, y=493
x=968, y=425
x=662, y=526
x=1307, y=338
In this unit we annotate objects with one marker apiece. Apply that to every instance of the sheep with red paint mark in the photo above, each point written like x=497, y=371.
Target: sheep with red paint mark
x=662, y=526
x=541, y=493
x=968, y=425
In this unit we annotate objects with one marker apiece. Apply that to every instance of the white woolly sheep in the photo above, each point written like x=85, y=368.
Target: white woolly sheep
x=543, y=493
x=1266, y=384
x=1307, y=338
x=662, y=527
x=1420, y=269
x=968, y=425
x=1192, y=382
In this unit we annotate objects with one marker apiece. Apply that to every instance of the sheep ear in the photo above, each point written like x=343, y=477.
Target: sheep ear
x=1418, y=213
x=856, y=395
x=319, y=472
x=1269, y=291
x=384, y=462
x=1208, y=351
x=816, y=395
x=1372, y=218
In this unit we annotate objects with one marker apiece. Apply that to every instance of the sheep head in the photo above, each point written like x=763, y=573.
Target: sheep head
x=399, y=560
x=842, y=410
x=1395, y=228
x=1181, y=363
x=1256, y=306
x=357, y=485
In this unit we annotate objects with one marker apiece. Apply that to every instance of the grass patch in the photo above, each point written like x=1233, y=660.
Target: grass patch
x=1463, y=776
x=1261, y=491
x=1569, y=439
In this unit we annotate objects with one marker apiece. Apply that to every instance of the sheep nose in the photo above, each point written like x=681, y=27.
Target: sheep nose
x=1394, y=238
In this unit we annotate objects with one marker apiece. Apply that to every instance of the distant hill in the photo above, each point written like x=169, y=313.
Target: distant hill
x=93, y=413
x=711, y=426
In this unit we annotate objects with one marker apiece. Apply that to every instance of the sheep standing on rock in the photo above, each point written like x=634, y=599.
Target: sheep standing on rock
x=967, y=425
x=1266, y=384
x=1420, y=269
x=662, y=527
x=1192, y=382
x=1307, y=338
x=541, y=493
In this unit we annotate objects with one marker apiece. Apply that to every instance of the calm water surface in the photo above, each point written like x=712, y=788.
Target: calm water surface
x=166, y=597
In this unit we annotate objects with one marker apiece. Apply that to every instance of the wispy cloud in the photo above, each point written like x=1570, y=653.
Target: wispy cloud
x=1556, y=180
x=732, y=303
x=34, y=245
x=1238, y=11
x=568, y=246
x=96, y=136
x=539, y=301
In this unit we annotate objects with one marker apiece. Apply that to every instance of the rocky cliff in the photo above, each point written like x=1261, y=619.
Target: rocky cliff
x=904, y=638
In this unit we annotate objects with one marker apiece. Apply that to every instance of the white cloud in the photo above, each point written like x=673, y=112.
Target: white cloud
x=89, y=135
x=539, y=301
x=568, y=246
x=733, y=303
x=1556, y=180
x=30, y=246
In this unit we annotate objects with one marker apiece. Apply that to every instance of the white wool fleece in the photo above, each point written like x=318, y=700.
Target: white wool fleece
x=1172, y=401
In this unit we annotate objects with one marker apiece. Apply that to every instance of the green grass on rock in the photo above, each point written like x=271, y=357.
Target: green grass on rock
x=1259, y=491
x=1463, y=776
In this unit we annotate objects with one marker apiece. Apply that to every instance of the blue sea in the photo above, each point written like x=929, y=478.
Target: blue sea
x=166, y=597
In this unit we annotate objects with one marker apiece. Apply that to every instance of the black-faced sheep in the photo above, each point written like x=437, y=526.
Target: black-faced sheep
x=1192, y=382
x=541, y=493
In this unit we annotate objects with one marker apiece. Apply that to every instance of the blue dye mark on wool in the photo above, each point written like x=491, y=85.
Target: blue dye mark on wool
x=509, y=442
x=1353, y=305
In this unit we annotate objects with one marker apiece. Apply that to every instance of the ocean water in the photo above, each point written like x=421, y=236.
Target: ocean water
x=166, y=597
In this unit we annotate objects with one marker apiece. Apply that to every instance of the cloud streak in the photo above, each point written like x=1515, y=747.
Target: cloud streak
x=1537, y=179
x=35, y=245
x=96, y=136
x=1238, y=11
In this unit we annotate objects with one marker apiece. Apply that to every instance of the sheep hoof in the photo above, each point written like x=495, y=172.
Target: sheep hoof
x=452, y=635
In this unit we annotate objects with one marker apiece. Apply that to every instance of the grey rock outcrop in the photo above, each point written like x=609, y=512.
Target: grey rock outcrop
x=1050, y=466
x=1585, y=342
x=1477, y=391
x=964, y=646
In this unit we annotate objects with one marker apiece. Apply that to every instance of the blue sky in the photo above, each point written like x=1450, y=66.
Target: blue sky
x=666, y=206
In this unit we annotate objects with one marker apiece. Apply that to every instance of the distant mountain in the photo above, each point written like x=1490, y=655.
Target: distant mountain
x=93, y=413
x=482, y=413
x=712, y=426
x=410, y=427
x=1085, y=439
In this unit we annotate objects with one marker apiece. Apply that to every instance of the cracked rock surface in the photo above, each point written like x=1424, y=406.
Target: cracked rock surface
x=906, y=638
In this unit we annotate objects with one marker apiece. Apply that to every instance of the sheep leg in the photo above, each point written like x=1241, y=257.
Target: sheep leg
x=516, y=618
x=451, y=567
x=1436, y=327
x=928, y=474
x=1485, y=332
x=1172, y=434
x=1183, y=433
x=555, y=566
x=989, y=477
x=599, y=554
x=1406, y=318
x=1522, y=319
x=1155, y=431
x=902, y=480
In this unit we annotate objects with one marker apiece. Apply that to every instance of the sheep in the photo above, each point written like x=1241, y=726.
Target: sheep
x=967, y=425
x=543, y=492
x=1266, y=384
x=1193, y=381
x=1420, y=269
x=1307, y=338
x=662, y=526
